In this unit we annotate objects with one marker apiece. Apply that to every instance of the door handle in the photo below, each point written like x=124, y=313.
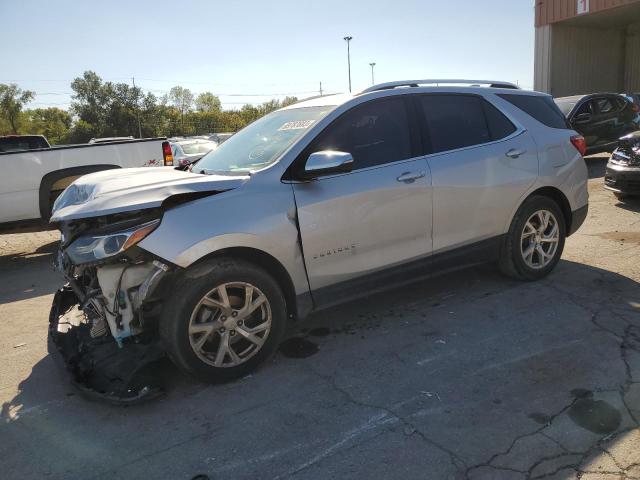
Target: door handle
x=515, y=152
x=410, y=177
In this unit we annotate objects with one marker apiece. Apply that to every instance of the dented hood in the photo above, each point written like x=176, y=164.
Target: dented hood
x=128, y=189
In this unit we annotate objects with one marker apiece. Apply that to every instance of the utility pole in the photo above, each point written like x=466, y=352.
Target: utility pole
x=372, y=64
x=133, y=80
x=348, y=39
x=320, y=88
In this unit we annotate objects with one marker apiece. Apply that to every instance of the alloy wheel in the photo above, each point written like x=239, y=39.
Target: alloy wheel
x=539, y=239
x=230, y=324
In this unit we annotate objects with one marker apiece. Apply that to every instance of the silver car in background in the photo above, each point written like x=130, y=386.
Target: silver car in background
x=189, y=150
x=312, y=205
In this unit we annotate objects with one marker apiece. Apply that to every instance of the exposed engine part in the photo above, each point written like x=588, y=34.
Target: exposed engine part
x=116, y=281
x=98, y=327
x=150, y=283
x=628, y=151
x=99, y=367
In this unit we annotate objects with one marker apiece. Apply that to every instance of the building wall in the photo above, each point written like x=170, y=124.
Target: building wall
x=573, y=60
x=632, y=62
x=542, y=61
x=586, y=60
x=551, y=11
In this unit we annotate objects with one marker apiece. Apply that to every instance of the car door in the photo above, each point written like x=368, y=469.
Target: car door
x=481, y=165
x=605, y=120
x=368, y=228
x=583, y=121
x=625, y=114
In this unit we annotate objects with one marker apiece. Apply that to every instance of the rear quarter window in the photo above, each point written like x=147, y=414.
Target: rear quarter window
x=542, y=108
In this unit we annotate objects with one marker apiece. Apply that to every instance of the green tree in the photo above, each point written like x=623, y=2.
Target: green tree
x=90, y=100
x=208, y=102
x=12, y=101
x=80, y=132
x=289, y=101
x=182, y=100
x=108, y=109
x=53, y=123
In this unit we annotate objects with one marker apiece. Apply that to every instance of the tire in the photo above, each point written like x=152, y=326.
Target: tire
x=195, y=324
x=53, y=195
x=514, y=261
x=621, y=196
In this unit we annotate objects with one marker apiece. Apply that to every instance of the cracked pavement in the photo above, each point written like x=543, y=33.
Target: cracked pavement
x=471, y=376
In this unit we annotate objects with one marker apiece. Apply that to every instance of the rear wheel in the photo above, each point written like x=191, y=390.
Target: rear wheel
x=228, y=320
x=534, y=243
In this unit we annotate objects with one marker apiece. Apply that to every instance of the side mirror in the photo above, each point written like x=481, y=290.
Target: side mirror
x=327, y=162
x=582, y=118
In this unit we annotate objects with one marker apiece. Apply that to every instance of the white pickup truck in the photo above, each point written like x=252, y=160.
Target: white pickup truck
x=30, y=180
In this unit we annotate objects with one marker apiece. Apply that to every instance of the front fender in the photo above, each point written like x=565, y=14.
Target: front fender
x=261, y=218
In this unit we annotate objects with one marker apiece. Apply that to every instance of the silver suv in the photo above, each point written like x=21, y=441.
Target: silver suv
x=315, y=204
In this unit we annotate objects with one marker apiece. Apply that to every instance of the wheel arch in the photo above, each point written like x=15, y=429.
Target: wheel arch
x=50, y=179
x=271, y=265
x=557, y=196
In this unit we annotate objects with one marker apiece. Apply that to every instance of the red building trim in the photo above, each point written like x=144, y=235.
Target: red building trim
x=552, y=11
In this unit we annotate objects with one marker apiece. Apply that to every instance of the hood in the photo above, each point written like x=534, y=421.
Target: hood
x=122, y=190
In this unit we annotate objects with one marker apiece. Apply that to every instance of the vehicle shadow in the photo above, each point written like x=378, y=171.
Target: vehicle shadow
x=587, y=286
x=631, y=204
x=26, y=259
x=28, y=274
x=597, y=165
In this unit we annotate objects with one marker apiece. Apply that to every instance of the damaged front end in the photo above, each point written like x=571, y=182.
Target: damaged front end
x=103, y=321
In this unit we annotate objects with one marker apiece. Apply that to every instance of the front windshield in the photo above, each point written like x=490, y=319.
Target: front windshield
x=261, y=143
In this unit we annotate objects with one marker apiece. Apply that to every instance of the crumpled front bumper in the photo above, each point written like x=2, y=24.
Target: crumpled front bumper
x=622, y=179
x=99, y=368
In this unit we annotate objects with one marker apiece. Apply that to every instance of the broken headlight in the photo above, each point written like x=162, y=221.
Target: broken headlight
x=93, y=248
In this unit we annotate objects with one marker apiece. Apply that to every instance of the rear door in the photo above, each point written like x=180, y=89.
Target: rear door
x=606, y=119
x=481, y=165
x=361, y=230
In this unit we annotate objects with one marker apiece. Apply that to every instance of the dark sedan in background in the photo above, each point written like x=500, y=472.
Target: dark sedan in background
x=601, y=118
x=623, y=169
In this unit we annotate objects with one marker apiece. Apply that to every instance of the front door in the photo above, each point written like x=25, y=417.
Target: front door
x=366, y=229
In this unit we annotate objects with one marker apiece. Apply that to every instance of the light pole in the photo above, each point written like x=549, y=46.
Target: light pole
x=373, y=64
x=348, y=39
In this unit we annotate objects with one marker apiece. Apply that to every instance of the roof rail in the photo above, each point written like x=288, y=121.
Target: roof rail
x=416, y=83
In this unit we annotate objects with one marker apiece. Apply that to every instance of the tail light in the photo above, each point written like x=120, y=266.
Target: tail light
x=580, y=143
x=167, y=154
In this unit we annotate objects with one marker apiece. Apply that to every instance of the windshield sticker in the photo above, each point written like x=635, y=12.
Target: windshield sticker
x=297, y=125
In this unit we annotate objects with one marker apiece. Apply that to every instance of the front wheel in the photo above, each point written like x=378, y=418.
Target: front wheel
x=533, y=246
x=230, y=318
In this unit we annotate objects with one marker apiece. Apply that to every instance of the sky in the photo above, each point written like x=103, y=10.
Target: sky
x=251, y=51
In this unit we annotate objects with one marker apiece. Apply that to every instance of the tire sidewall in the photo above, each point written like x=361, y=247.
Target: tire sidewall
x=195, y=284
x=529, y=208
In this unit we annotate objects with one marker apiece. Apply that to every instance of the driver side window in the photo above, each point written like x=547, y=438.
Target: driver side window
x=374, y=133
x=585, y=108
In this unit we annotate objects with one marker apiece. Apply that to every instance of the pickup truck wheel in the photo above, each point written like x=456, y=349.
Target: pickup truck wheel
x=533, y=246
x=230, y=318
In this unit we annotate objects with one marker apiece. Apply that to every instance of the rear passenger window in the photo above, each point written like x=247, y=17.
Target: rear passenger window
x=454, y=121
x=542, y=108
x=604, y=105
x=499, y=125
x=374, y=133
x=586, y=107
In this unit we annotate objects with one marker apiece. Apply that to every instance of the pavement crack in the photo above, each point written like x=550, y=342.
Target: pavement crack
x=456, y=461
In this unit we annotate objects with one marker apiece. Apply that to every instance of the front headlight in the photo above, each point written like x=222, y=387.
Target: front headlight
x=93, y=248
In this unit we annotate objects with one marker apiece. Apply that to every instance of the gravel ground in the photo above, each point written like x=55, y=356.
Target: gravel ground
x=470, y=376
